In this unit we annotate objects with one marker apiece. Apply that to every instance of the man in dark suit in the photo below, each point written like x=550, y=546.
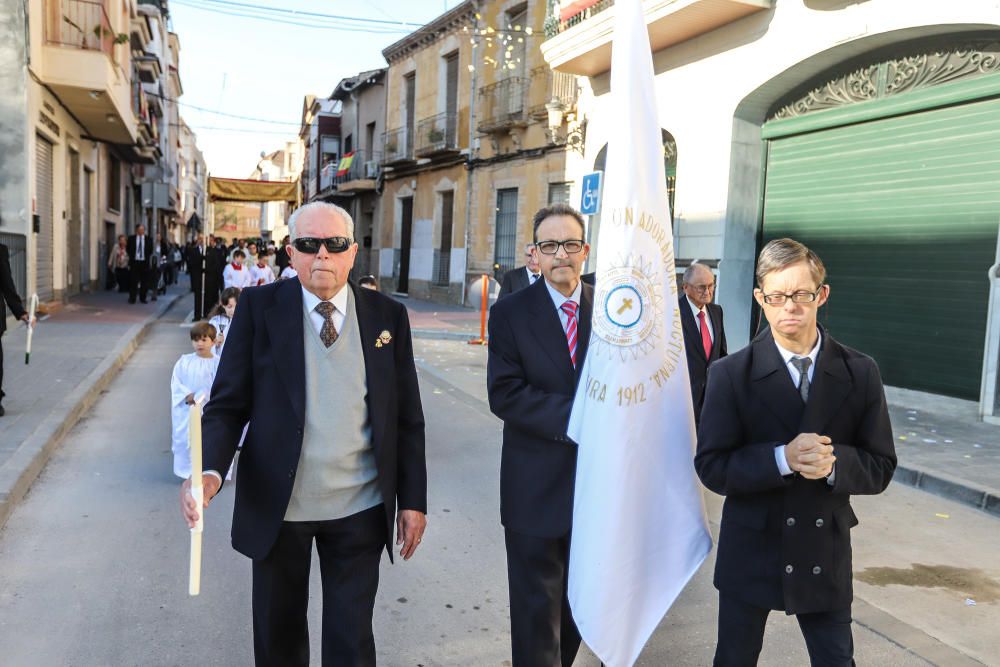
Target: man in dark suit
x=8, y=297
x=522, y=276
x=328, y=457
x=140, y=250
x=704, y=334
x=537, y=346
x=215, y=265
x=196, y=268
x=792, y=426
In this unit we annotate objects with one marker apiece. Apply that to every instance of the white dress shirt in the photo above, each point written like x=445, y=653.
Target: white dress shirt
x=787, y=356
x=140, y=248
x=532, y=277
x=708, y=318
x=558, y=300
x=339, y=301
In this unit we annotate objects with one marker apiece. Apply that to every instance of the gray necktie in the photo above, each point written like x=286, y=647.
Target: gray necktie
x=802, y=364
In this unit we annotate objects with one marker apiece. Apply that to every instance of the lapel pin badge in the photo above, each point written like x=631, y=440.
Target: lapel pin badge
x=384, y=338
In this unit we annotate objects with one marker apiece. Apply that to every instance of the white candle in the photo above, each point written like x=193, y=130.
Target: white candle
x=197, y=492
x=32, y=309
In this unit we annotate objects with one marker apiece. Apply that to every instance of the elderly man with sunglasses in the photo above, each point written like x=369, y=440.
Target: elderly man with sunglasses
x=335, y=457
x=793, y=425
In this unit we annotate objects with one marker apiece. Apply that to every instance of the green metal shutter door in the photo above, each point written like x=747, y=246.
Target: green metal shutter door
x=904, y=213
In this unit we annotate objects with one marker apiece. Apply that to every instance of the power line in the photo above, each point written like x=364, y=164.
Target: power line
x=300, y=12
x=273, y=19
x=208, y=128
x=223, y=113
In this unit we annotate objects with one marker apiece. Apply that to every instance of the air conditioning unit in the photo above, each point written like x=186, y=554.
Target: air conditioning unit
x=371, y=169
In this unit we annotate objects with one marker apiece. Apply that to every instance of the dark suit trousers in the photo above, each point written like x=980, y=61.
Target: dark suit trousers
x=196, y=288
x=1, y=366
x=138, y=280
x=542, y=630
x=741, y=635
x=349, y=553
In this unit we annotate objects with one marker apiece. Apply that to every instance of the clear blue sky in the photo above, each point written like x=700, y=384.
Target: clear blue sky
x=263, y=68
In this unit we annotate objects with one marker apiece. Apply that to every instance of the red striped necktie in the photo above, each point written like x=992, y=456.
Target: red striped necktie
x=706, y=336
x=570, y=308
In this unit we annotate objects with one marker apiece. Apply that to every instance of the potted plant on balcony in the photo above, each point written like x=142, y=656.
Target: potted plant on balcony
x=435, y=135
x=390, y=148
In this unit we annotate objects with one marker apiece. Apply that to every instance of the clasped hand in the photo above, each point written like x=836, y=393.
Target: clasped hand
x=810, y=455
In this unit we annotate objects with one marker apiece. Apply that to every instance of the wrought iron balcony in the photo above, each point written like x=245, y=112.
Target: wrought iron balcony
x=503, y=104
x=548, y=86
x=398, y=145
x=81, y=24
x=574, y=13
x=358, y=172
x=437, y=134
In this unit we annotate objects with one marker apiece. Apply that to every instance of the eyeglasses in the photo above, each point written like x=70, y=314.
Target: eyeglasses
x=571, y=247
x=702, y=288
x=802, y=296
x=310, y=246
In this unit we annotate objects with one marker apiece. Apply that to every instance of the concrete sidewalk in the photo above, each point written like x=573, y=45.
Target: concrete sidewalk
x=75, y=354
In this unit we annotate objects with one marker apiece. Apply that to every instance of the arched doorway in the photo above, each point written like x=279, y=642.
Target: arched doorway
x=890, y=170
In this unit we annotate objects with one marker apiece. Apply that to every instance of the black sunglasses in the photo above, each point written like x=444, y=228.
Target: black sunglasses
x=310, y=246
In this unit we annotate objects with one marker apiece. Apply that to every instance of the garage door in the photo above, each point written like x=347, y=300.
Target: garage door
x=904, y=212
x=43, y=202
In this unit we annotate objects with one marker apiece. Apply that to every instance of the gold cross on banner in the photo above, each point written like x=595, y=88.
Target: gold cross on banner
x=626, y=305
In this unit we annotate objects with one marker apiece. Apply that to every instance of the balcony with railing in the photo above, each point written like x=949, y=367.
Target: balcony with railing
x=358, y=172
x=148, y=146
x=398, y=146
x=437, y=135
x=503, y=105
x=81, y=62
x=578, y=34
x=547, y=87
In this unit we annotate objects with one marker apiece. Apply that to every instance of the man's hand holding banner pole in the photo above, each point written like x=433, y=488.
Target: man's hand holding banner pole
x=639, y=527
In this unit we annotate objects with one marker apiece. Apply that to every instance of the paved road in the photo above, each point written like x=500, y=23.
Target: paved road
x=93, y=562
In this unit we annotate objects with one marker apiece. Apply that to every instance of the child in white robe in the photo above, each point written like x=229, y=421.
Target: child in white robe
x=235, y=274
x=261, y=273
x=222, y=316
x=288, y=272
x=193, y=375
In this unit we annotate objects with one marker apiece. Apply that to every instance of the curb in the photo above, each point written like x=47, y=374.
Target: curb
x=952, y=488
x=20, y=471
x=438, y=334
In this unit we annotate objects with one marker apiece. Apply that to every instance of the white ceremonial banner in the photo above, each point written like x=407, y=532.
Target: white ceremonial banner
x=639, y=527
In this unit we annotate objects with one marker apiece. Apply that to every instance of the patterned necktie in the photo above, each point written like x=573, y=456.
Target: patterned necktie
x=328, y=334
x=802, y=364
x=706, y=336
x=570, y=308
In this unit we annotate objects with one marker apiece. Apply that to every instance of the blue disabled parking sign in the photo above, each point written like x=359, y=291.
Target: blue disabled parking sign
x=590, y=197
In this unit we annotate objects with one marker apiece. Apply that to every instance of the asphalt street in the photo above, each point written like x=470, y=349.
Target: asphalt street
x=93, y=563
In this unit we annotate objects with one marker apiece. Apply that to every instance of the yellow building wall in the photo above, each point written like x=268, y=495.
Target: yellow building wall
x=425, y=238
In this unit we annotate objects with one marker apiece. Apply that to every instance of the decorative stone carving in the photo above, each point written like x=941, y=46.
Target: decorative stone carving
x=900, y=75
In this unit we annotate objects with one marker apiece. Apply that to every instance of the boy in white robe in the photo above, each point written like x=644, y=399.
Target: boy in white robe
x=235, y=274
x=288, y=272
x=261, y=272
x=222, y=316
x=193, y=375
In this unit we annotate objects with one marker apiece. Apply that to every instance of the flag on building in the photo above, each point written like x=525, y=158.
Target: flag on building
x=639, y=528
x=345, y=164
